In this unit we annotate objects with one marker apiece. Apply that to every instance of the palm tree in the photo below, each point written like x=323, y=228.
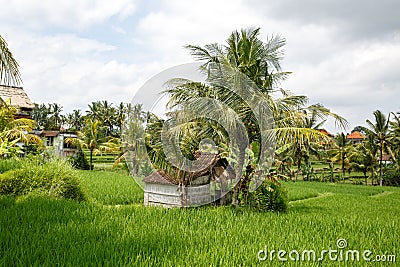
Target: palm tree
x=380, y=130
x=310, y=119
x=394, y=138
x=93, y=138
x=342, y=152
x=132, y=149
x=364, y=157
x=244, y=54
x=40, y=114
x=56, y=118
x=104, y=112
x=9, y=72
x=75, y=120
x=120, y=116
x=94, y=111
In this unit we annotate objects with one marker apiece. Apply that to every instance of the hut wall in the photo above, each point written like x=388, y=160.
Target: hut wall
x=168, y=195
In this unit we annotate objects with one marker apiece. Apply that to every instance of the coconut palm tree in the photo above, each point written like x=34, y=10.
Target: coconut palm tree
x=55, y=118
x=104, y=112
x=75, y=120
x=246, y=54
x=380, y=130
x=394, y=138
x=94, y=139
x=9, y=68
x=342, y=152
x=132, y=149
x=310, y=119
x=364, y=157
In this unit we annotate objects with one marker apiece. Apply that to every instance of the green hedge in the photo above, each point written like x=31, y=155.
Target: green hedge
x=55, y=178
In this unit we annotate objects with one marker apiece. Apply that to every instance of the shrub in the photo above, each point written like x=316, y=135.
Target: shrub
x=269, y=196
x=80, y=161
x=55, y=178
x=9, y=164
x=391, y=176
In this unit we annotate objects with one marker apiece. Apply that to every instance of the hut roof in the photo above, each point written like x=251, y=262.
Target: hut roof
x=17, y=95
x=159, y=177
x=203, y=164
x=50, y=133
x=325, y=132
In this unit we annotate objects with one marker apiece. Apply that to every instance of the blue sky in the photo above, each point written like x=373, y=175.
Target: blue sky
x=344, y=55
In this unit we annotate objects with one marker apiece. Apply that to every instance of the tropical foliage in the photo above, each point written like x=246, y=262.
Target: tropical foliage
x=14, y=131
x=9, y=68
x=245, y=54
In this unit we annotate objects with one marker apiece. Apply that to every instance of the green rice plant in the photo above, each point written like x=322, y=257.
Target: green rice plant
x=111, y=188
x=113, y=228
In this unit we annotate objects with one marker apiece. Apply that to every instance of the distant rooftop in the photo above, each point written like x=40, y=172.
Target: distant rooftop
x=356, y=135
x=17, y=95
x=325, y=132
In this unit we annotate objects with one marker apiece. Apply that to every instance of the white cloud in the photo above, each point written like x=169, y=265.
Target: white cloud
x=64, y=13
x=337, y=59
x=181, y=22
x=74, y=71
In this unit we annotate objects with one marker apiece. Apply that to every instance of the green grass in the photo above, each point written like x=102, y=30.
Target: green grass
x=110, y=188
x=114, y=229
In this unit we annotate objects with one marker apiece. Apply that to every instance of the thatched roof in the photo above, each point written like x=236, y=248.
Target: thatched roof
x=17, y=95
x=159, y=178
x=205, y=161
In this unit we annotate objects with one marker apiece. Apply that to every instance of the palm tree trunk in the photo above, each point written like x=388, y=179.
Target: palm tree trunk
x=365, y=177
x=235, y=197
x=372, y=175
x=298, y=166
x=343, y=170
x=380, y=166
x=91, y=159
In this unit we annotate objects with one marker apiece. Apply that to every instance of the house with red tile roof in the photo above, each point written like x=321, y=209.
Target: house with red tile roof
x=356, y=137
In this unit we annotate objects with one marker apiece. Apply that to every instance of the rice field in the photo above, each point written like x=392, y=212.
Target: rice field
x=113, y=228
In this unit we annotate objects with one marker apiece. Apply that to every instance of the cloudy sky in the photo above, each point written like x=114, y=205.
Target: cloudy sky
x=343, y=54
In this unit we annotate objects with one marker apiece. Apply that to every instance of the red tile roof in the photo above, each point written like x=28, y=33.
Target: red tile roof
x=356, y=135
x=325, y=132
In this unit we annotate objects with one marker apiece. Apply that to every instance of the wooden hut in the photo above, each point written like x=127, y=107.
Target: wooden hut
x=18, y=99
x=192, y=188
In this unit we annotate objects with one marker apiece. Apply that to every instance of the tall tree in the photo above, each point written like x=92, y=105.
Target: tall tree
x=55, y=117
x=342, y=152
x=260, y=62
x=104, y=112
x=380, y=130
x=75, y=120
x=364, y=157
x=93, y=138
